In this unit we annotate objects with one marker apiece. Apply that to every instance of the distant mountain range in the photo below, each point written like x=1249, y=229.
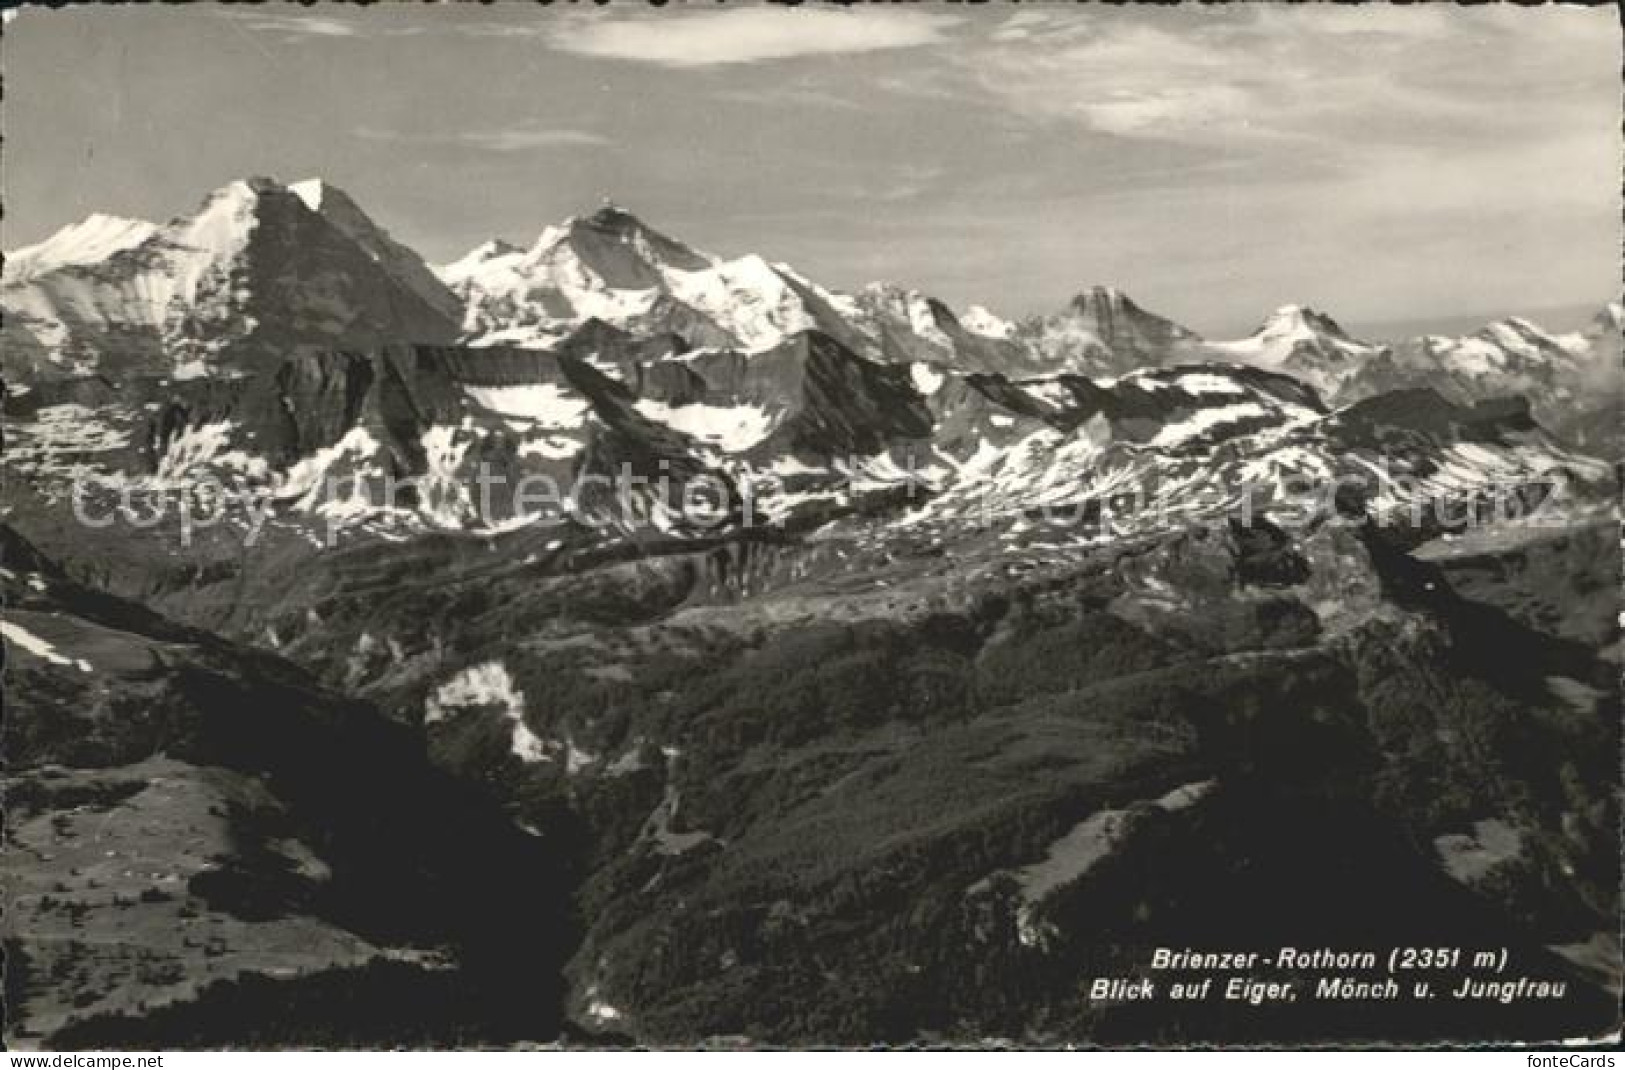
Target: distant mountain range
x=1560, y=318
x=607, y=341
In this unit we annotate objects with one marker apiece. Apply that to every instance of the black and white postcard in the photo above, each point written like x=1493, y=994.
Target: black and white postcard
x=746, y=525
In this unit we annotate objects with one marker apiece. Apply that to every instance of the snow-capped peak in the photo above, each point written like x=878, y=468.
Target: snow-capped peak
x=322, y=196
x=229, y=214
x=587, y=234
x=1303, y=342
x=1612, y=316
x=89, y=241
x=611, y=217
x=1520, y=337
x=612, y=266
x=978, y=320
x=1113, y=314
x=257, y=268
x=489, y=253
x=925, y=316
x=1101, y=297
x=1122, y=324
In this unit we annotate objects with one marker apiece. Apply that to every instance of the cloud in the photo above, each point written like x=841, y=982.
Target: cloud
x=890, y=185
x=1188, y=110
x=301, y=26
x=1325, y=82
x=749, y=35
x=785, y=95
x=527, y=140
x=504, y=29
x=520, y=139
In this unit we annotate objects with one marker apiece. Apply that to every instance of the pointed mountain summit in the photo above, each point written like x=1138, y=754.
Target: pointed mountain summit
x=255, y=272
x=623, y=251
x=404, y=265
x=616, y=224
x=614, y=267
x=1302, y=342
x=1300, y=321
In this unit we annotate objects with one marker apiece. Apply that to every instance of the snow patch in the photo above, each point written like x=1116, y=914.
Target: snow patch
x=550, y=448
x=304, y=480
x=747, y=297
x=310, y=191
x=445, y=500
x=27, y=641
x=1208, y=383
x=978, y=320
x=548, y=405
x=204, y=446
x=1204, y=420
x=927, y=379
x=730, y=428
x=483, y=686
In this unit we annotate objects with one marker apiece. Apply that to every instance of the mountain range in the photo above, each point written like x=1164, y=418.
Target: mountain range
x=876, y=674
x=265, y=268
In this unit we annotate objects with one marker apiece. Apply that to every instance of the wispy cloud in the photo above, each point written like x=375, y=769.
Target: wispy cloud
x=902, y=183
x=521, y=139
x=785, y=95
x=1311, y=75
x=748, y=34
x=526, y=140
x=304, y=26
x=300, y=26
x=534, y=28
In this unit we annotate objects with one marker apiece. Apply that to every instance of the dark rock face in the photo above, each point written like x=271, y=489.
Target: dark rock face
x=837, y=404
x=604, y=239
x=1421, y=414
x=597, y=340
x=312, y=400
x=313, y=285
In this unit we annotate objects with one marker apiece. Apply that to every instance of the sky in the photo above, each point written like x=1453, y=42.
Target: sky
x=1385, y=164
